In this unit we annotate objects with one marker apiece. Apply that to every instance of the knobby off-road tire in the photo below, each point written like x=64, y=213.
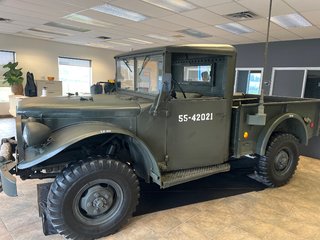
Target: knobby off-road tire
x=92, y=199
x=277, y=167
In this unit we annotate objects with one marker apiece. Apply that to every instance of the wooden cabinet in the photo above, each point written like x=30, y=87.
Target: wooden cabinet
x=54, y=88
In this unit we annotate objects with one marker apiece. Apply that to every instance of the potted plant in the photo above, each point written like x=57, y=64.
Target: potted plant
x=14, y=78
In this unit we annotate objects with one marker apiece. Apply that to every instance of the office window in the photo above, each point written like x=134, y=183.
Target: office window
x=5, y=89
x=248, y=80
x=75, y=75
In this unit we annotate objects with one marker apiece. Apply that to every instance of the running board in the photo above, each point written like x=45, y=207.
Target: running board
x=177, y=177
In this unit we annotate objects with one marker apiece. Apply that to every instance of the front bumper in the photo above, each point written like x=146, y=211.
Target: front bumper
x=7, y=163
x=8, y=181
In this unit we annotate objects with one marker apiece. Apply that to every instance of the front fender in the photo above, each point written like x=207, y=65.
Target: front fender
x=71, y=134
x=300, y=131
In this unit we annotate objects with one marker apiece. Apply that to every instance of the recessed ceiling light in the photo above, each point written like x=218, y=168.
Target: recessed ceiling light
x=172, y=5
x=138, y=41
x=178, y=36
x=103, y=37
x=195, y=33
x=87, y=20
x=235, y=28
x=160, y=37
x=49, y=32
x=291, y=21
x=120, y=12
x=5, y=20
x=66, y=26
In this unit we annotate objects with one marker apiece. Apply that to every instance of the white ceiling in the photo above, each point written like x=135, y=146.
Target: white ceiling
x=28, y=14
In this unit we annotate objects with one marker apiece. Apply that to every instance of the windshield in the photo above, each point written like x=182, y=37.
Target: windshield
x=141, y=74
x=125, y=73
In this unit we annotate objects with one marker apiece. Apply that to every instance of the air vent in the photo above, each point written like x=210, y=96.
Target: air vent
x=103, y=37
x=247, y=15
x=5, y=20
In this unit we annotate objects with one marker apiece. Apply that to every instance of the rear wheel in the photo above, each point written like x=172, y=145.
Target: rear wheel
x=277, y=167
x=92, y=199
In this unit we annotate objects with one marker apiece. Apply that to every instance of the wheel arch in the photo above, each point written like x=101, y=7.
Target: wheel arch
x=144, y=161
x=290, y=123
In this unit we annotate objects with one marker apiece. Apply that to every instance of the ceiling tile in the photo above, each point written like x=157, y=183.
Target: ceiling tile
x=184, y=21
x=261, y=25
x=206, y=16
x=57, y=5
x=284, y=35
x=227, y=8
x=313, y=17
x=307, y=32
x=304, y=5
x=157, y=23
x=206, y=3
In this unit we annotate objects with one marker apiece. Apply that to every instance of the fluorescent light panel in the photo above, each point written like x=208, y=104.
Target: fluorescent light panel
x=87, y=20
x=66, y=26
x=172, y=5
x=160, y=37
x=49, y=32
x=36, y=34
x=120, y=43
x=195, y=33
x=291, y=21
x=235, y=28
x=99, y=45
x=138, y=41
x=120, y=12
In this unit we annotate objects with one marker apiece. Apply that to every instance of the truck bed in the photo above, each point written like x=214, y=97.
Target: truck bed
x=305, y=109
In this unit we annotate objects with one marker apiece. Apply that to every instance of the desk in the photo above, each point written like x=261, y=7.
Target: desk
x=13, y=102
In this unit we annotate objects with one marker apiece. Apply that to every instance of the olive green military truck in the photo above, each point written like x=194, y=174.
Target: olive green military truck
x=173, y=119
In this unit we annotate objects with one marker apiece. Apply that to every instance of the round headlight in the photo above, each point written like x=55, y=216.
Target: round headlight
x=35, y=133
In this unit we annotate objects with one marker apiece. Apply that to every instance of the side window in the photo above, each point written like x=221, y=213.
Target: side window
x=149, y=74
x=125, y=73
x=197, y=73
x=248, y=80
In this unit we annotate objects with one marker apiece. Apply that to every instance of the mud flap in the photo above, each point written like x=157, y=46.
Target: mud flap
x=43, y=190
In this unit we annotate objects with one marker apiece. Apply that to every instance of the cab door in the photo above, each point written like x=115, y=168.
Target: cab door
x=197, y=132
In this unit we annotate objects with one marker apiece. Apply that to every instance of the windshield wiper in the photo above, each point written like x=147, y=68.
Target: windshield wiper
x=145, y=61
x=126, y=62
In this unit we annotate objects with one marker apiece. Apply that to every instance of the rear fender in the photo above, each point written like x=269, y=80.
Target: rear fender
x=298, y=129
x=67, y=136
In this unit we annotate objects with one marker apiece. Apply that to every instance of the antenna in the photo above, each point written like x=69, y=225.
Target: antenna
x=260, y=117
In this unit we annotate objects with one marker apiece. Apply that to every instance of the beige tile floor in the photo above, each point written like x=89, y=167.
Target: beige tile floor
x=290, y=212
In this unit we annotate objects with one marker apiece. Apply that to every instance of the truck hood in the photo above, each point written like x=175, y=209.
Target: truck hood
x=71, y=107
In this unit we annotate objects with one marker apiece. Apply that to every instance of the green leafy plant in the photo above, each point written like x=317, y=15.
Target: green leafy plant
x=13, y=75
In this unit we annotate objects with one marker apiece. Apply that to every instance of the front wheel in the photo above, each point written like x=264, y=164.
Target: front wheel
x=92, y=199
x=277, y=167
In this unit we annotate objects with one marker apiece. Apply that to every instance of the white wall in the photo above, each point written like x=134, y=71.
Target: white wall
x=41, y=58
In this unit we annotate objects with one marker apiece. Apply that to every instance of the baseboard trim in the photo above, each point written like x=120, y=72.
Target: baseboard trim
x=6, y=116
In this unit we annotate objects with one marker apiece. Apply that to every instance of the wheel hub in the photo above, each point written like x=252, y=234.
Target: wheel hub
x=97, y=200
x=282, y=160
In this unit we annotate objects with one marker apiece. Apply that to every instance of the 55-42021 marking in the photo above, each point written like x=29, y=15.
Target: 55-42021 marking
x=197, y=117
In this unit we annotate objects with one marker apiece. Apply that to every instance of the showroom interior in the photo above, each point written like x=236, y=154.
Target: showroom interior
x=75, y=50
